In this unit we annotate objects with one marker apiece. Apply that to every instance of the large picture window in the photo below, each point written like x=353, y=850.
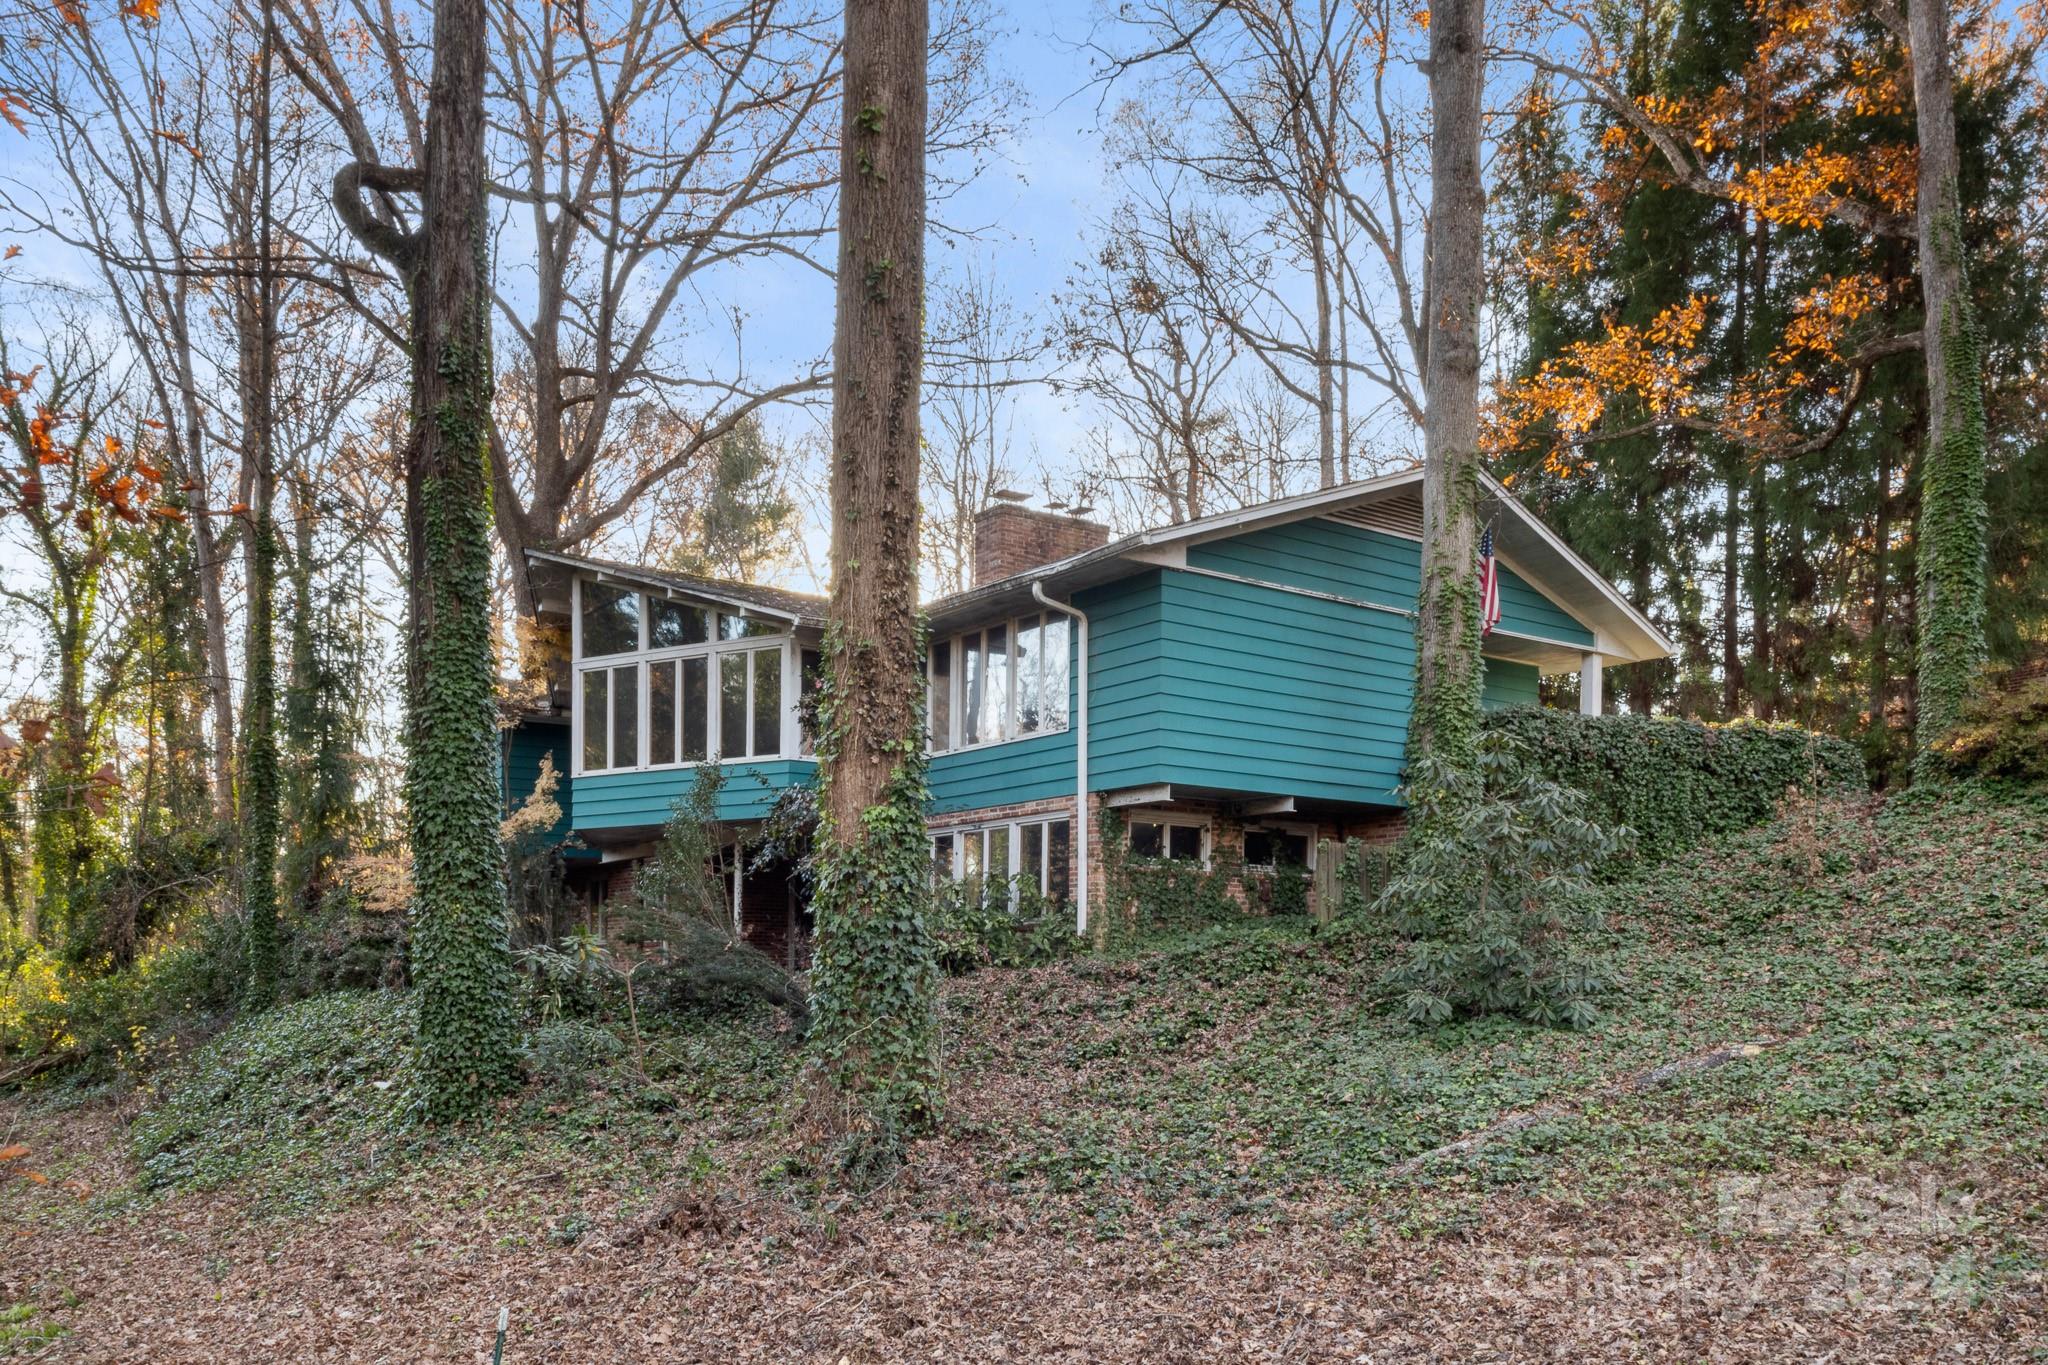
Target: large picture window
x=1002, y=682
x=709, y=682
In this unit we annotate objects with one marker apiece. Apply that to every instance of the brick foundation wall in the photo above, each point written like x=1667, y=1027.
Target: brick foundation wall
x=1009, y=539
x=1226, y=832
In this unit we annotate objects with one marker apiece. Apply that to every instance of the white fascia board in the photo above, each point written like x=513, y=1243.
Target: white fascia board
x=1660, y=646
x=653, y=583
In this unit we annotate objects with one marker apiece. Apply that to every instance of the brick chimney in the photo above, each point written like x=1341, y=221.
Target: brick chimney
x=1009, y=539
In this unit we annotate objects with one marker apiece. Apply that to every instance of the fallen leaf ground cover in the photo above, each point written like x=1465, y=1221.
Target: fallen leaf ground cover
x=1178, y=1152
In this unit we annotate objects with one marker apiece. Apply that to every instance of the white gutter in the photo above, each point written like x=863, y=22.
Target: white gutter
x=1080, y=757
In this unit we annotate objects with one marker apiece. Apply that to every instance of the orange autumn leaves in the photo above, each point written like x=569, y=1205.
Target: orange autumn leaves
x=1655, y=365
x=67, y=472
x=1652, y=371
x=1808, y=133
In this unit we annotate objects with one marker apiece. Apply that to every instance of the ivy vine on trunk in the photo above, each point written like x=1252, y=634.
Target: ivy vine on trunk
x=874, y=1039
x=462, y=957
x=1952, y=512
x=1445, y=720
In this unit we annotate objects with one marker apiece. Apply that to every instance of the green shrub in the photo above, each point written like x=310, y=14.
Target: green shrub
x=565, y=1054
x=1675, y=782
x=977, y=924
x=181, y=984
x=2004, y=732
x=1363, y=871
x=1494, y=892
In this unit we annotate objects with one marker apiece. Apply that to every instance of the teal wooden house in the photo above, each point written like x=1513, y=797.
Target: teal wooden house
x=1234, y=687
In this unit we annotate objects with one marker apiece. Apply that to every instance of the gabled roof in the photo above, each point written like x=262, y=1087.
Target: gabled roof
x=798, y=608
x=1523, y=543
x=1389, y=504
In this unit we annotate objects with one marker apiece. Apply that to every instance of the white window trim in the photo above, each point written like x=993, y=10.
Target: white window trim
x=786, y=645
x=959, y=834
x=1183, y=820
x=956, y=685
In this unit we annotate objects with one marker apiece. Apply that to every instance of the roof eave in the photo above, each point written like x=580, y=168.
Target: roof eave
x=650, y=579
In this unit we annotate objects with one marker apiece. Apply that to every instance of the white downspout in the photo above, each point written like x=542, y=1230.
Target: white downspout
x=1080, y=758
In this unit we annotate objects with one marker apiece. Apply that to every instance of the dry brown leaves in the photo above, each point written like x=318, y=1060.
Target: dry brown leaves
x=731, y=1275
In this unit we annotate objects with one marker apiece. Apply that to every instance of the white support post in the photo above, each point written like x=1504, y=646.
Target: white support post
x=1589, y=685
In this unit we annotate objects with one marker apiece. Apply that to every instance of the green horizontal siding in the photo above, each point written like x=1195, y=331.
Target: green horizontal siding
x=998, y=774
x=1510, y=684
x=1207, y=682
x=1350, y=561
x=1526, y=611
x=636, y=799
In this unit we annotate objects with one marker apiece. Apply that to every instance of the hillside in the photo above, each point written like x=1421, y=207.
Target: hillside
x=1810, y=1121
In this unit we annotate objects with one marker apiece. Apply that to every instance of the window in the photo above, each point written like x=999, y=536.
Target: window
x=1278, y=846
x=1032, y=853
x=750, y=703
x=611, y=620
x=611, y=718
x=732, y=705
x=940, y=708
x=970, y=688
x=1053, y=650
x=1003, y=682
x=696, y=709
x=1181, y=840
x=767, y=701
x=707, y=685
x=995, y=685
x=597, y=710
x=671, y=625
x=626, y=716
x=661, y=711
x=1029, y=708
x=1058, y=856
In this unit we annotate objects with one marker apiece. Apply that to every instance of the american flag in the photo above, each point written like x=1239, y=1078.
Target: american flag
x=1489, y=584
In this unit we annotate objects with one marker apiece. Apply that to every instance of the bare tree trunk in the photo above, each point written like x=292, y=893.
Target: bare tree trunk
x=1326, y=387
x=1447, y=667
x=260, y=799
x=875, y=1037
x=1952, y=512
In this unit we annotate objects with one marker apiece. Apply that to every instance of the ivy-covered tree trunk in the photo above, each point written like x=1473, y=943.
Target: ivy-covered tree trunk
x=462, y=955
x=875, y=1036
x=1447, y=668
x=461, y=946
x=1952, y=513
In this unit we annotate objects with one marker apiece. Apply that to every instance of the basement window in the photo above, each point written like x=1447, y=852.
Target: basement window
x=1169, y=839
x=1276, y=846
